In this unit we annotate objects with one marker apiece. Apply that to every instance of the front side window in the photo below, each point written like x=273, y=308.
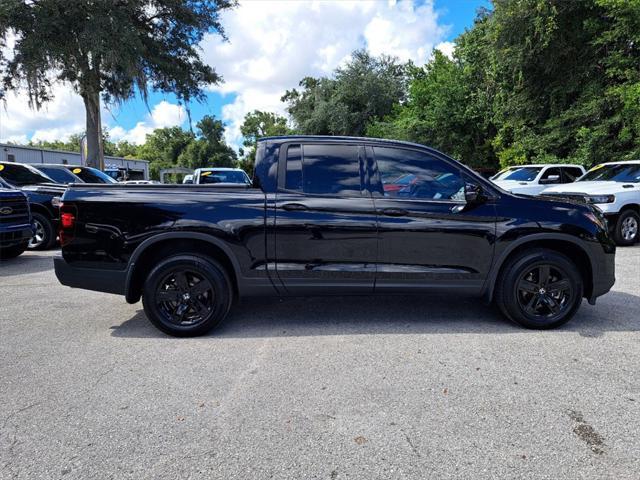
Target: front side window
x=551, y=175
x=412, y=174
x=323, y=169
x=21, y=175
x=571, y=174
x=91, y=175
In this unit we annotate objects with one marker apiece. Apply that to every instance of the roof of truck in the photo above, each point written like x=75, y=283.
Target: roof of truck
x=330, y=138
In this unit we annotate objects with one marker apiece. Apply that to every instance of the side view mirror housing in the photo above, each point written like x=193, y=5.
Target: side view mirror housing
x=474, y=193
x=550, y=179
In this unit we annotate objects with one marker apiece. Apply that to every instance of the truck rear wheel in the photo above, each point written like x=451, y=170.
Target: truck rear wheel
x=627, y=228
x=539, y=289
x=187, y=295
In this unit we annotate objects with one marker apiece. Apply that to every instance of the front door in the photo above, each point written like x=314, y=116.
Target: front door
x=429, y=237
x=325, y=222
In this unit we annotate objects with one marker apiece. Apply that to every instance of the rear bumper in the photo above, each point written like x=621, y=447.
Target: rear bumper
x=99, y=280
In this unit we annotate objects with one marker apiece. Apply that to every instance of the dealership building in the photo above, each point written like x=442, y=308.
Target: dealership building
x=133, y=168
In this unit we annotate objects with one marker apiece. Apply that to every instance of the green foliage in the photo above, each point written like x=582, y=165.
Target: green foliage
x=111, y=49
x=365, y=89
x=259, y=124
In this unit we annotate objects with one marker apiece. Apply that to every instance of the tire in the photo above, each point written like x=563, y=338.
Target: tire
x=177, y=302
x=523, y=292
x=7, y=253
x=45, y=236
x=627, y=229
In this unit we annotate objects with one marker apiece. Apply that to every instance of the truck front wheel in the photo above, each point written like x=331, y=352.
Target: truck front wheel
x=539, y=289
x=627, y=228
x=187, y=295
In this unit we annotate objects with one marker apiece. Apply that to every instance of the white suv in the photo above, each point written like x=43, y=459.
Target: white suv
x=533, y=179
x=614, y=188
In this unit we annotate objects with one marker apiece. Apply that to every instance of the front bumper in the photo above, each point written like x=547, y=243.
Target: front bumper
x=99, y=280
x=15, y=236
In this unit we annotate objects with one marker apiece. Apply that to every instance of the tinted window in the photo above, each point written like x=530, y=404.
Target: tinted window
x=571, y=174
x=616, y=173
x=59, y=175
x=91, y=175
x=20, y=175
x=294, y=168
x=324, y=169
x=412, y=174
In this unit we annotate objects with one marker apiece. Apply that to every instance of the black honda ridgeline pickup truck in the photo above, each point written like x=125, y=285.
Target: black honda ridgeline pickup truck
x=334, y=216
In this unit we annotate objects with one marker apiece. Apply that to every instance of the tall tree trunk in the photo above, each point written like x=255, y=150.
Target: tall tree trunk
x=95, y=152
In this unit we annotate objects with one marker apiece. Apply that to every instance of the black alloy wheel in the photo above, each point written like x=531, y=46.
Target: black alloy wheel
x=184, y=297
x=539, y=288
x=544, y=292
x=187, y=295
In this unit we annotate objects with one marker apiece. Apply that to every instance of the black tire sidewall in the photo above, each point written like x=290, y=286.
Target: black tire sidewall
x=50, y=236
x=507, y=296
x=205, y=266
x=617, y=234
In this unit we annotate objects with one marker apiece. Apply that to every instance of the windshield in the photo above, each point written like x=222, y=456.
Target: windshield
x=59, y=175
x=21, y=175
x=224, y=176
x=619, y=172
x=91, y=175
x=521, y=174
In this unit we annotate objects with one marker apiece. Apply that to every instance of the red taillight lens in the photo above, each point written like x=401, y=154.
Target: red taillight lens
x=67, y=220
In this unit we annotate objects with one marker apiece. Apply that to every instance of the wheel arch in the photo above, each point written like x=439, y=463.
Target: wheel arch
x=159, y=246
x=564, y=244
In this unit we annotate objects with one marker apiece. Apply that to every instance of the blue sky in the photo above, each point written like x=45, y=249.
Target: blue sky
x=273, y=44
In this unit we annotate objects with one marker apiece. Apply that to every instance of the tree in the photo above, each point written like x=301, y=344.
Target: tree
x=259, y=124
x=365, y=89
x=209, y=148
x=163, y=147
x=109, y=50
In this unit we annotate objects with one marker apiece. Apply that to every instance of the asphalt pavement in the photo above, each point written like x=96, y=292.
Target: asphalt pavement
x=316, y=388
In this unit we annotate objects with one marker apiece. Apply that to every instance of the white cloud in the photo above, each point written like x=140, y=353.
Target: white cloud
x=163, y=114
x=274, y=44
x=447, y=48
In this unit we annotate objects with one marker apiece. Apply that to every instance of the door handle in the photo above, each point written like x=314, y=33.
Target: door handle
x=294, y=207
x=395, y=212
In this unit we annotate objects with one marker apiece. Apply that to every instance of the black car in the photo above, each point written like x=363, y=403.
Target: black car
x=90, y=174
x=58, y=173
x=15, y=222
x=44, y=197
x=318, y=221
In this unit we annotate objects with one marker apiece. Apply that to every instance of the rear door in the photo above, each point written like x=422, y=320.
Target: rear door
x=325, y=222
x=429, y=237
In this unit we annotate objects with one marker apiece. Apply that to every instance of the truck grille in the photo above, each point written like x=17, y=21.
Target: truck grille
x=576, y=197
x=14, y=210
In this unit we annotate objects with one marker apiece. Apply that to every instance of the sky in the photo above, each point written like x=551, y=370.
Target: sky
x=271, y=46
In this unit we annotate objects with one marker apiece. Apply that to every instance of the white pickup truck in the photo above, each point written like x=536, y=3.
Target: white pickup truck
x=221, y=175
x=614, y=188
x=533, y=179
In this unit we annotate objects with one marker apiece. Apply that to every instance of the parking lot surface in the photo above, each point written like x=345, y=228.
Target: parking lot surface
x=326, y=388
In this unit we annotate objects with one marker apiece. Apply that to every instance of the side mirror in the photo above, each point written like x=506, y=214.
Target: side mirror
x=474, y=194
x=550, y=179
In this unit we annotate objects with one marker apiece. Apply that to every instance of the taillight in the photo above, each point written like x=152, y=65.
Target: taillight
x=67, y=224
x=67, y=220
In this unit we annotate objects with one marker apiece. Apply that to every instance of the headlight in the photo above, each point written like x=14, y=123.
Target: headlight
x=56, y=201
x=600, y=198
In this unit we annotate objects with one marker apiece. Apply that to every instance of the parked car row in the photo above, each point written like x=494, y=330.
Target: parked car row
x=613, y=187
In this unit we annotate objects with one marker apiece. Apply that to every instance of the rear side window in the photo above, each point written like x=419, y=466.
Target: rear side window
x=323, y=169
x=59, y=175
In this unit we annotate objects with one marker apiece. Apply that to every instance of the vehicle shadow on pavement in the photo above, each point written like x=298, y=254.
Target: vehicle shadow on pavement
x=428, y=314
x=25, y=264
